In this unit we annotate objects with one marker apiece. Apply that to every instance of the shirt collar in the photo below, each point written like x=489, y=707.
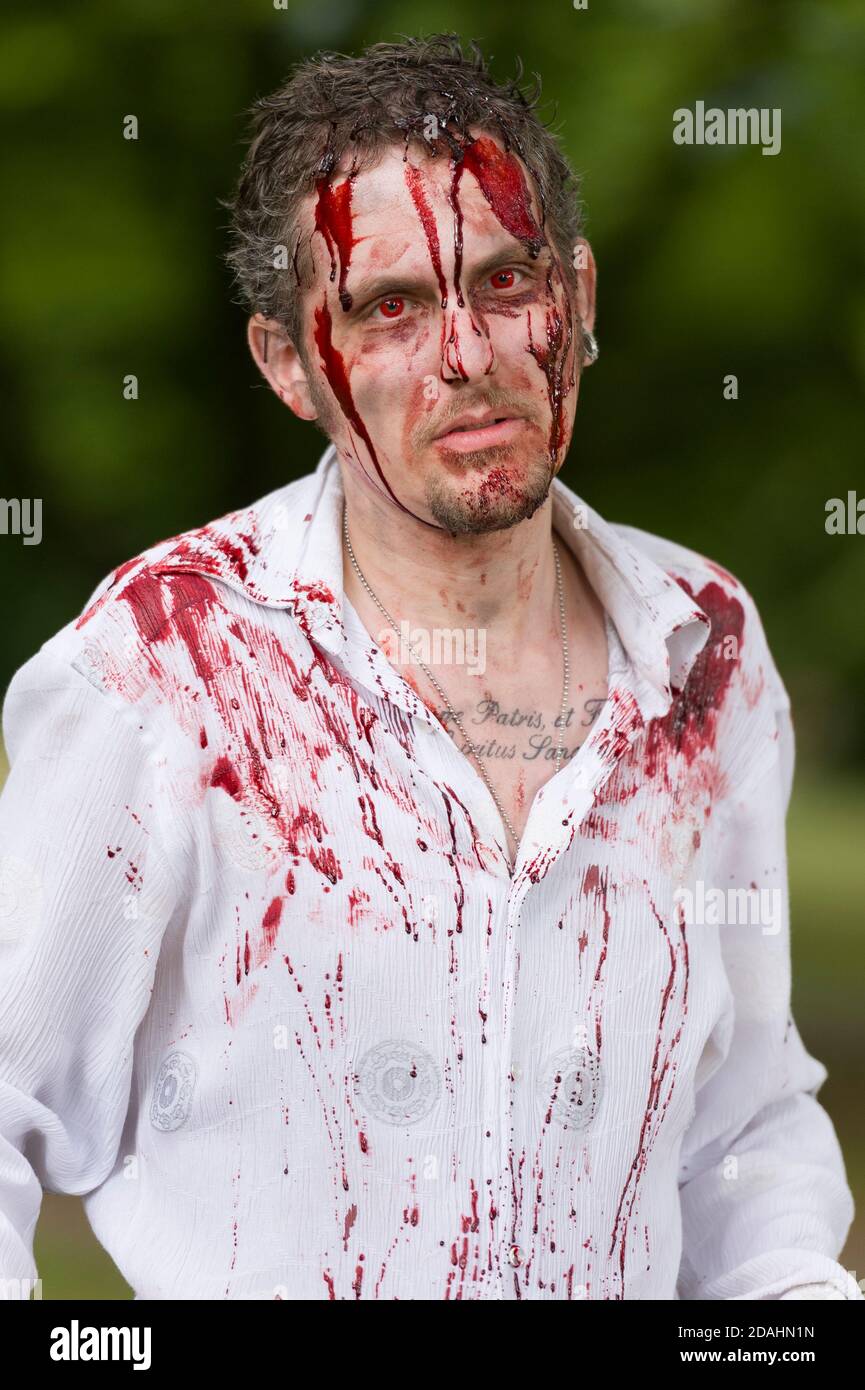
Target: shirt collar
x=286, y=551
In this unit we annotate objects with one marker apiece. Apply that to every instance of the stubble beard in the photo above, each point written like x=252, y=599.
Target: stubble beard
x=504, y=491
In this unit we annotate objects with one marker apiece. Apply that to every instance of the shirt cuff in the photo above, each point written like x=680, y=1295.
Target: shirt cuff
x=844, y=1289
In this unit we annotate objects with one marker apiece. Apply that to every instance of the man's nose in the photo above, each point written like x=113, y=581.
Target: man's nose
x=467, y=351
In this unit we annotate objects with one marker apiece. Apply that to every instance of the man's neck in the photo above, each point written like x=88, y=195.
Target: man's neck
x=503, y=581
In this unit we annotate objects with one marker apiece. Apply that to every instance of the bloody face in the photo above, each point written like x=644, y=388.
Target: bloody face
x=439, y=334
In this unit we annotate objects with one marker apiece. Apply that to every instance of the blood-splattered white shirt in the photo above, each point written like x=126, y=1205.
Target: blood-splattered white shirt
x=271, y=997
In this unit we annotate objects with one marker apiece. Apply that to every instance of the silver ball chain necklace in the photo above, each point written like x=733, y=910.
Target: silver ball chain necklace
x=449, y=710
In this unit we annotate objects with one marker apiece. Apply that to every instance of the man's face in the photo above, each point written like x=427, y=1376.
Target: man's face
x=442, y=348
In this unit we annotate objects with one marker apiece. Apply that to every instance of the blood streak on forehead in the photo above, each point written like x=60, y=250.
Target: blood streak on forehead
x=502, y=183
x=414, y=183
x=333, y=220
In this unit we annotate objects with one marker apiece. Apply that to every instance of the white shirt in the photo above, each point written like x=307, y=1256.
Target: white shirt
x=271, y=999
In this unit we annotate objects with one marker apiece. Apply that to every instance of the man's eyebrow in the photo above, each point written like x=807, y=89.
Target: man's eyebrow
x=390, y=282
x=506, y=255
x=378, y=286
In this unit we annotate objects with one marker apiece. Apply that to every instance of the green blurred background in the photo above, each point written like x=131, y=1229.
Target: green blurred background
x=713, y=260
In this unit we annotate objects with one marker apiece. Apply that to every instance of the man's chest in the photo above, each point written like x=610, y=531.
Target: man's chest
x=335, y=822
x=516, y=727
x=355, y=939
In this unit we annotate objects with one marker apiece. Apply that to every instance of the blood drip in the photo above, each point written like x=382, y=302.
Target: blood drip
x=552, y=361
x=414, y=183
x=333, y=366
x=333, y=220
x=501, y=181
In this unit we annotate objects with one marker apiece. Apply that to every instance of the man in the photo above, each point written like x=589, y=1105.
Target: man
x=358, y=844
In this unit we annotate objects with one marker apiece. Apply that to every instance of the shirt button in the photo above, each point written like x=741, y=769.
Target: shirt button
x=516, y=1072
x=515, y=1255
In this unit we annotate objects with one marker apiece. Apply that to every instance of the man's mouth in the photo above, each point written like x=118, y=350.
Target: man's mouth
x=467, y=434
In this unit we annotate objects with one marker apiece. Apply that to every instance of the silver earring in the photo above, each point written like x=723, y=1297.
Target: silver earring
x=590, y=346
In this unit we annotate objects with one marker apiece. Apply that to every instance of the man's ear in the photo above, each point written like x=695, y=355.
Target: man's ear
x=584, y=265
x=280, y=364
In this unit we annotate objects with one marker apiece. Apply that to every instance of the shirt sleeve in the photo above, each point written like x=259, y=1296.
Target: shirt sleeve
x=85, y=894
x=765, y=1203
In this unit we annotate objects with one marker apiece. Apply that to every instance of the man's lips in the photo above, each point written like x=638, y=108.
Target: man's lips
x=466, y=436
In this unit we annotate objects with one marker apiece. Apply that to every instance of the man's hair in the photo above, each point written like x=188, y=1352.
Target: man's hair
x=334, y=103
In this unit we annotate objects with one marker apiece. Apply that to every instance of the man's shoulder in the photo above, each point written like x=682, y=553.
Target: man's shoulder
x=721, y=595
x=246, y=553
x=678, y=560
x=251, y=547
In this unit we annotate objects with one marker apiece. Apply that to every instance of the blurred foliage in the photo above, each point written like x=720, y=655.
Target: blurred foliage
x=713, y=260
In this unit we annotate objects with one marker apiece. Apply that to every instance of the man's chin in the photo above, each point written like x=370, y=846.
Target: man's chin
x=493, y=490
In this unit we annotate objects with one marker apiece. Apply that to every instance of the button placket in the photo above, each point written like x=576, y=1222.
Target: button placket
x=510, y=1076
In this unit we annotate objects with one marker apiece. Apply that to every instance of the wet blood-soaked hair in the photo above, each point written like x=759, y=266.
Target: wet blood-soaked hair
x=336, y=107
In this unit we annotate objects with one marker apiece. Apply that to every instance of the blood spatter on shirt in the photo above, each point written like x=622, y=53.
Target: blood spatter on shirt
x=118, y=574
x=233, y=553
x=596, y=884
x=591, y=879
x=325, y=861
x=690, y=726
x=460, y=1274
x=176, y=606
x=614, y=741
x=595, y=826
x=270, y=924
x=460, y=892
x=368, y=819
x=178, y=609
x=225, y=775
x=672, y=1012
x=317, y=593
x=350, y=1218
x=212, y=552
x=357, y=899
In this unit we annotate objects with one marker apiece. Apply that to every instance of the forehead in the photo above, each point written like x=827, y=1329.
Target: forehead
x=494, y=197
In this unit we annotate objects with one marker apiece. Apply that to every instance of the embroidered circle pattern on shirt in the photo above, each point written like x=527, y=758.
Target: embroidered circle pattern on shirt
x=20, y=898
x=172, y=1091
x=398, y=1081
x=572, y=1082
